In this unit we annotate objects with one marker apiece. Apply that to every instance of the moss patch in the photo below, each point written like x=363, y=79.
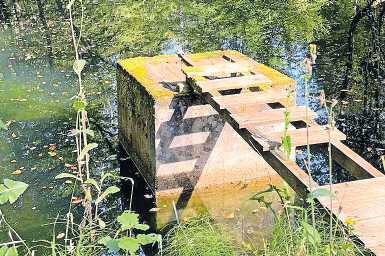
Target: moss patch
x=278, y=79
x=136, y=67
x=205, y=55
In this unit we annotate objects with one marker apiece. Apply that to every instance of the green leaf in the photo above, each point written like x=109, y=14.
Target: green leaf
x=65, y=175
x=104, y=240
x=87, y=149
x=259, y=194
x=3, y=250
x=12, y=252
x=111, y=244
x=93, y=182
x=319, y=192
x=129, y=244
x=108, y=191
x=107, y=175
x=11, y=190
x=79, y=66
x=79, y=105
x=89, y=132
x=311, y=234
x=142, y=227
x=144, y=239
x=101, y=223
x=3, y=127
x=128, y=220
x=286, y=144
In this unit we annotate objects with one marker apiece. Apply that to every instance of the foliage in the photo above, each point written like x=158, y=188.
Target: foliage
x=11, y=190
x=255, y=27
x=286, y=139
x=294, y=234
x=8, y=251
x=199, y=237
x=131, y=244
x=2, y=125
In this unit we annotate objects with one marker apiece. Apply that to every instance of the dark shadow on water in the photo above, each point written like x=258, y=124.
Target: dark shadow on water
x=319, y=165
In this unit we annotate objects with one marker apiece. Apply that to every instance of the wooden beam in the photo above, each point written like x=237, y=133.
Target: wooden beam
x=240, y=82
x=218, y=69
x=252, y=119
x=353, y=162
x=242, y=99
x=317, y=135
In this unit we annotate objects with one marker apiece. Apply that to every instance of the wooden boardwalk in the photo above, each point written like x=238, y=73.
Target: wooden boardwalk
x=254, y=106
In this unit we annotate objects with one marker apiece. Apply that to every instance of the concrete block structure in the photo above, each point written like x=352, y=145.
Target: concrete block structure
x=177, y=141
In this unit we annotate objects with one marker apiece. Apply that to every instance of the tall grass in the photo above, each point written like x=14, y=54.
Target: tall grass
x=296, y=236
x=199, y=237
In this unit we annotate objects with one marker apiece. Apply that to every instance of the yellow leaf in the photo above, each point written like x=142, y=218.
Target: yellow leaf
x=17, y=172
x=60, y=236
x=52, y=153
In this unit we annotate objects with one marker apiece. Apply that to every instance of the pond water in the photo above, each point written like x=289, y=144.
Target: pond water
x=36, y=87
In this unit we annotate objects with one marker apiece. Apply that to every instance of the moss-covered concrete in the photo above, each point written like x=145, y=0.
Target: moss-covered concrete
x=136, y=67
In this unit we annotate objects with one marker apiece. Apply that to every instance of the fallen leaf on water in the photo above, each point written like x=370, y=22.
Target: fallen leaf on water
x=71, y=166
x=17, y=172
x=52, y=147
x=76, y=200
x=60, y=236
x=13, y=161
x=52, y=153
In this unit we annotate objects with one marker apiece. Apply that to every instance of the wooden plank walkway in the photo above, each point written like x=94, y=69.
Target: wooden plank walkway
x=258, y=117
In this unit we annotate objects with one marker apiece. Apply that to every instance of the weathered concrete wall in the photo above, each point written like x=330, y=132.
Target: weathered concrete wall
x=137, y=124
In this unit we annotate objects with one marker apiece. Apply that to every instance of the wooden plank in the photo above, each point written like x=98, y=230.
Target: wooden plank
x=364, y=202
x=267, y=96
x=317, y=135
x=245, y=107
x=253, y=118
x=241, y=82
x=353, y=162
x=220, y=68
